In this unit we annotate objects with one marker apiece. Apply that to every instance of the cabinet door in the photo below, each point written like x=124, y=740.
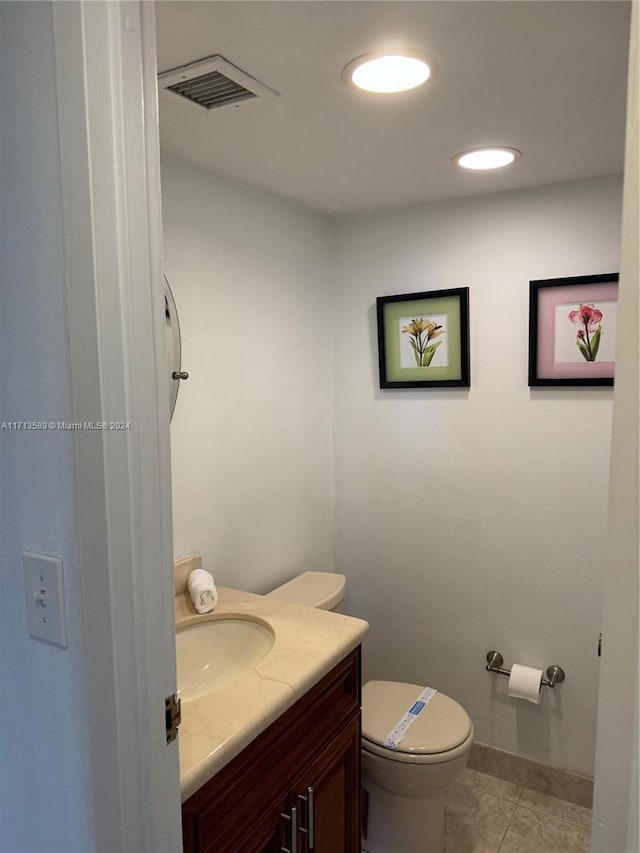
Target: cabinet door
x=327, y=796
x=250, y=831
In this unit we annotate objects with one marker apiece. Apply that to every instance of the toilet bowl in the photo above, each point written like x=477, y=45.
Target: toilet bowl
x=402, y=787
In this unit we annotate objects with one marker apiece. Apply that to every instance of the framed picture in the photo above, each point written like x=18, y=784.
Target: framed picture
x=423, y=339
x=572, y=330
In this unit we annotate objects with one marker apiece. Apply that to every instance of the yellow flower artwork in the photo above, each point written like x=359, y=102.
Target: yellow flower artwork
x=421, y=332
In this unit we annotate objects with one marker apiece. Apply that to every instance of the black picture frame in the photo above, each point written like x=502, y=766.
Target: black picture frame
x=433, y=318
x=558, y=354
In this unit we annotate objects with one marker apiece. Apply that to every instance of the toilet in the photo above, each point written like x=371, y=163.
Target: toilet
x=402, y=787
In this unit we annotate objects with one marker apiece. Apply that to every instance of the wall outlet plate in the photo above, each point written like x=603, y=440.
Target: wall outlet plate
x=44, y=588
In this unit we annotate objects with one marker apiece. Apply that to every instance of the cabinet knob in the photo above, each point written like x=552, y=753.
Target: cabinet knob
x=293, y=821
x=309, y=829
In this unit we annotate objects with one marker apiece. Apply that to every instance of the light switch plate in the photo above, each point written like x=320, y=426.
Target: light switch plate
x=44, y=586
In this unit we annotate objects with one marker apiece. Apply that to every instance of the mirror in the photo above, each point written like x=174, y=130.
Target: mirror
x=174, y=348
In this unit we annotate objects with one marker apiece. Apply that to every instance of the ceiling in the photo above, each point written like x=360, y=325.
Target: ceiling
x=547, y=77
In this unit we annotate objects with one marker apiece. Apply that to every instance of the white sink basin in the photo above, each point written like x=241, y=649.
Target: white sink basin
x=213, y=653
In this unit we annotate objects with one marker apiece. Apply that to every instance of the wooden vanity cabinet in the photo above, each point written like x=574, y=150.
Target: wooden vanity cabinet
x=307, y=760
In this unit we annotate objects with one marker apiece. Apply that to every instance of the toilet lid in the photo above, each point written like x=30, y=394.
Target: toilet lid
x=441, y=726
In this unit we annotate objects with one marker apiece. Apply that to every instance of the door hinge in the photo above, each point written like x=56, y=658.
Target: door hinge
x=172, y=717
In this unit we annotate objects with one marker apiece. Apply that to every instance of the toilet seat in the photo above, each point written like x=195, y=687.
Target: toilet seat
x=441, y=732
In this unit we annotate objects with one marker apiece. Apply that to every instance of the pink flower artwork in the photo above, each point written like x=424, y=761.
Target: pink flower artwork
x=588, y=337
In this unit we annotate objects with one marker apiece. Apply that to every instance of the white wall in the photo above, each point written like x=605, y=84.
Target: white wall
x=251, y=444
x=468, y=520
x=45, y=776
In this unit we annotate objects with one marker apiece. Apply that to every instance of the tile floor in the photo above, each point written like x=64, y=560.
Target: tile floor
x=485, y=814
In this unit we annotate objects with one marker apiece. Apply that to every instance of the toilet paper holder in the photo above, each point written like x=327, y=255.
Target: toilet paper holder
x=555, y=674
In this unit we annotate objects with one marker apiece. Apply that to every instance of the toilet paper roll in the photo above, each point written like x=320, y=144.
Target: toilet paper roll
x=525, y=683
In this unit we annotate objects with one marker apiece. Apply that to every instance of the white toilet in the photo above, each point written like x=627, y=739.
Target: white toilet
x=402, y=801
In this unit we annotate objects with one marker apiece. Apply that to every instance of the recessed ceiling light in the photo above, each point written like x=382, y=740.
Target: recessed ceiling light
x=486, y=158
x=387, y=73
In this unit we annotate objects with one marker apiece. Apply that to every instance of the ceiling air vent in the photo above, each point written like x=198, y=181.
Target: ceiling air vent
x=211, y=83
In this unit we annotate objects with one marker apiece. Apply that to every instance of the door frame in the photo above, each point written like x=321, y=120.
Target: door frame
x=615, y=809
x=105, y=60
x=107, y=102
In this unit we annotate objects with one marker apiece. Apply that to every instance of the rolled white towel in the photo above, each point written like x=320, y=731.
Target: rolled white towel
x=202, y=590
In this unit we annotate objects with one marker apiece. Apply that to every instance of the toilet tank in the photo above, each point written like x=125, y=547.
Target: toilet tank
x=324, y=590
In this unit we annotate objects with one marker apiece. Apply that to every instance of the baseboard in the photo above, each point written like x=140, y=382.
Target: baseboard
x=564, y=784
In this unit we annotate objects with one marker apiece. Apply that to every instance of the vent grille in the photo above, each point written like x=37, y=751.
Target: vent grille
x=212, y=90
x=212, y=83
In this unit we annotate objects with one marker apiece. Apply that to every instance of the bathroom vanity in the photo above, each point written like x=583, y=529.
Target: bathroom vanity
x=300, y=778
x=271, y=760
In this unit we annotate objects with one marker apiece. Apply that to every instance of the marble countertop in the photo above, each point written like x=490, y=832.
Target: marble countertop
x=219, y=725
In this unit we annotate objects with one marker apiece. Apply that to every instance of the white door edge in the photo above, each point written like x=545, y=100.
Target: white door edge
x=105, y=74
x=616, y=796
